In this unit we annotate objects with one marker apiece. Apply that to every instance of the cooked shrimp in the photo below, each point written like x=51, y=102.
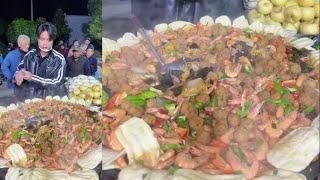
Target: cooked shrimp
x=272, y=131
x=249, y=171
x=166, y=155
x=287, y=121
x=280, y=112
x=255, y=110
x=165, y=164
x=185, y=160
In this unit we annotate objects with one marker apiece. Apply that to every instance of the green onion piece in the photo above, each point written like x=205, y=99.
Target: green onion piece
x=238, y=152
x=213, y=101
x=182, y=122
x=198, y=105
x=170, y=107
x=244, y=109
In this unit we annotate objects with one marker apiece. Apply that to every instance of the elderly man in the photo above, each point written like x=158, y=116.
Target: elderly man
x=75, y=63
x=90, y=66
x=13, y=58
x=41, y=73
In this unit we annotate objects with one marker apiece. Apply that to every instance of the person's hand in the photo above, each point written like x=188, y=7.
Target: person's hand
x=27, y=75
x=19, y=77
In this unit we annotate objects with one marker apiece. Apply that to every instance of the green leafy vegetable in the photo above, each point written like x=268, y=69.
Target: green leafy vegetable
x=84, y=133
x=173, y=169
x=248, y=32
x=242, y=113
x=168, y=146
x=213, y=101
x=288, y=107
x=308, y=110
x=148, y=95
x=135, y=100
x=182, y=122
x=317, y=46
x=198, y=105
x=279, y=88
x=170, y=107
x=140, y=99
x=238, y=152
x=18, y=134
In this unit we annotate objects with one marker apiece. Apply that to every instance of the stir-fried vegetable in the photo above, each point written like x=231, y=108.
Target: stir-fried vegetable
x=288, y=106
x=84, y=133
x=170, y=107
x=168, y=146
x=308, y=110
x=198, y=105
x=182, y=122
x=140, y=99
x=213, y=101
x=248, y=32
x=242, y=113
x=18, y=134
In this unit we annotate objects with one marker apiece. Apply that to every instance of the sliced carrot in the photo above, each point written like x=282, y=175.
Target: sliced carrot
x=182, y=132
x=112, y=101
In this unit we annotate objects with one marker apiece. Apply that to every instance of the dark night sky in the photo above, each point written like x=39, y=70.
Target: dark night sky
x=12, y=9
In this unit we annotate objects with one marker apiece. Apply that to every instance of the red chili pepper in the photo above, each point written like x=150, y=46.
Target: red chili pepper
x=158, y=122
x=296, y=95
x=163, y=111
x=112, y=101
x=288, y=50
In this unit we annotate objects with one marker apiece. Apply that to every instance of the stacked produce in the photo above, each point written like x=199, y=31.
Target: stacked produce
x=295, y=15
x=85, y=88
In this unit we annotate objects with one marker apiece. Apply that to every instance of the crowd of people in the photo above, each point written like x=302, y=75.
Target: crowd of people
x=41, y=71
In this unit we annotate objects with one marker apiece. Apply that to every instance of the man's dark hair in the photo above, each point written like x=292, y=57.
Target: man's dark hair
x=50, y=28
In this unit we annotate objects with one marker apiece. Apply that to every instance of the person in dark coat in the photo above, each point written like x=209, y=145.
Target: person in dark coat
x=41, y=72
x=90, y=66
x=75, y=63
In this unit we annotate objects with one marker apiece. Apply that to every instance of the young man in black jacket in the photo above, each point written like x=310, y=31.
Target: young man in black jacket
x=41, y=72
